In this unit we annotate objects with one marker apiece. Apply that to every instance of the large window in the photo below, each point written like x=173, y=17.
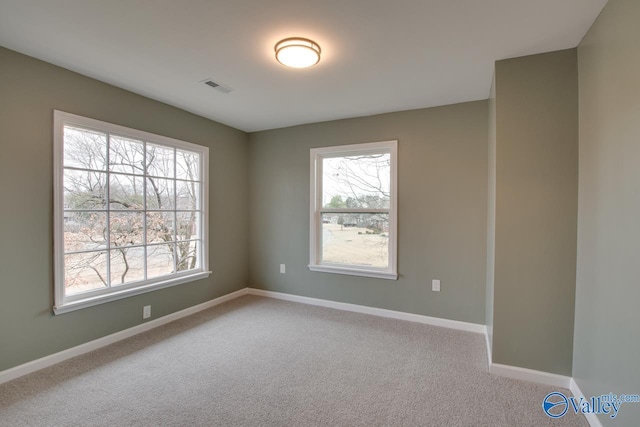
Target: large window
x=130, y=212
x=353, y=209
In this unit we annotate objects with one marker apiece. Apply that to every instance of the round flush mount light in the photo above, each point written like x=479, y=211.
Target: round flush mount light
x=296, y=52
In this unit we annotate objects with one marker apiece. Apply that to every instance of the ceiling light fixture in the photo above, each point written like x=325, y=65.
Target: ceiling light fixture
x=296, y=52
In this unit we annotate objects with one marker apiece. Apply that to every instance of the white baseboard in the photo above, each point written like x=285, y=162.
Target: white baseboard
x=497, y=369
x=546, y=378
x=44, y=362
x=592, y=419
x=525, y=374
x=434, y=321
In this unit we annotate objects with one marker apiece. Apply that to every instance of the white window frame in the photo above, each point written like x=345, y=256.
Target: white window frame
x=66, y=303
x=316, y=209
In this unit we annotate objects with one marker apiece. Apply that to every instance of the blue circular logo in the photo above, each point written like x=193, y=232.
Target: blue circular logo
x=555, y=404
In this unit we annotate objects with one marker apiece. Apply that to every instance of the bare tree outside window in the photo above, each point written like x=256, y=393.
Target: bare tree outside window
x=356, y=194
x=361, y=181
x=131, y=210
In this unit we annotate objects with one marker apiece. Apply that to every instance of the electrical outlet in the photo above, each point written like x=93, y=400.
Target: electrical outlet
x=146, y=311
x=435, y=285
x=283, y=269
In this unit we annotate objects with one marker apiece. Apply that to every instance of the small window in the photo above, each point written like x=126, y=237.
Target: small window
x=353, y=209
x=130, y=212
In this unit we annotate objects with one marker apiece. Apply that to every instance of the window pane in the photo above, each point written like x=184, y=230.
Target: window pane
x=127, y=265
x=85, y=272
x=126, y=192
x=126, y=228
x=84, y=231
x=160, y=227
x=362, y=181
x=187, y=225
x=187, y=255
x=160, y=260
x=84, y=190
x=130, y=209
x=160, y=193
x=187, y=165
x=126, y=155
x=356, y=239
x=188, y=195
x=85, y=149
x=160, y=161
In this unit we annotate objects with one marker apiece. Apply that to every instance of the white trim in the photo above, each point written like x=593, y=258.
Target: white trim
x=52, y=359
x=66, y=303
x=525, y=374
x=100, y=126
x=497, y=369
x=113, y=296
x=382, y=274
x=381, y=312
x=354, y=210
x=316, y=209
x=540, y=377
x=58, y=207
x=592, y=419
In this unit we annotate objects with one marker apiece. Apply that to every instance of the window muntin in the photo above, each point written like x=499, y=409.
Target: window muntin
x=353, y=209
x=129, y=211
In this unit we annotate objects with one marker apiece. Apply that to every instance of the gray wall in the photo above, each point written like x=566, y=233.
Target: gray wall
x=491, y=214
x=442, y=188
x=607, y=331
x=30, y=90
x=536, y=211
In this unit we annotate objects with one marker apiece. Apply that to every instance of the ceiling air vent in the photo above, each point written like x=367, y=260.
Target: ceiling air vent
x=220, y=87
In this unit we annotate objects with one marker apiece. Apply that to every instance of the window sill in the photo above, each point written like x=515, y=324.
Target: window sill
x=125, y=293
x=354, y=272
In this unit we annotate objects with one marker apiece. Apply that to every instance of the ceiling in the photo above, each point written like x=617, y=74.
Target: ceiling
x=377, y=55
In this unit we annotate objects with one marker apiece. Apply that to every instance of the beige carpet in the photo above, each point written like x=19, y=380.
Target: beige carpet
x=262, y=362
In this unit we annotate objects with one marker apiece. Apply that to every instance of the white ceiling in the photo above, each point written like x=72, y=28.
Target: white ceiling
x=377, y=55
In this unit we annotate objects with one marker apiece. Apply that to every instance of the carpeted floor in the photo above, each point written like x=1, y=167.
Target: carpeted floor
x=261, y=362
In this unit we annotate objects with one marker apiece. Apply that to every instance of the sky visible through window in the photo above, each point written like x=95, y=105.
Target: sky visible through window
x=363, y=180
